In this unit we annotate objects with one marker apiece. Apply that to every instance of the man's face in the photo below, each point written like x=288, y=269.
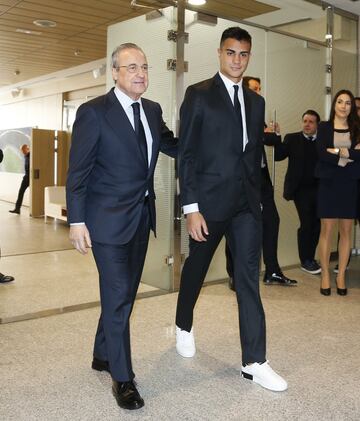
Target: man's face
x=234, y=57
x=255, y=86
x=309, y=123
x=132, y=84
x=357, y=103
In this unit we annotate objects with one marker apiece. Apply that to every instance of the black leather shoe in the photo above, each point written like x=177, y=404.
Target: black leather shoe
x=100, y=365
x=15, y=211
x=325, y=291
x=5, y=278
x=126, y=395
x=278, y=278
x=231, y=284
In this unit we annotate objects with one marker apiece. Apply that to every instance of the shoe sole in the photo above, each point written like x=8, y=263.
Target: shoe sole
x=312, y=272
x=280, y=283
x=259, y=382
x=189, y=355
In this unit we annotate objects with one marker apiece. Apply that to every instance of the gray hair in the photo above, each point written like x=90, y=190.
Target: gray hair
x=121, y=47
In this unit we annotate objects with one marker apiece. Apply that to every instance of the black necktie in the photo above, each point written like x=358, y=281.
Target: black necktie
x=310, y=138
x=237, y=106
x=139, y=130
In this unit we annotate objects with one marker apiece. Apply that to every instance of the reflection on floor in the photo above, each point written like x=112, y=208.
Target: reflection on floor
x=50, y=276
x=312, y=340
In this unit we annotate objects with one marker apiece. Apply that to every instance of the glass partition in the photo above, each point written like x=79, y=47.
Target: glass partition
x=152, y=38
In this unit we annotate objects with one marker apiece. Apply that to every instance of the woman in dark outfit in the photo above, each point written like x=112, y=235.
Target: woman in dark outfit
x=338, y=170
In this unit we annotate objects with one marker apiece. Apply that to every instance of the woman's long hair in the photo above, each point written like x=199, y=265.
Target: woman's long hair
x=352, y=119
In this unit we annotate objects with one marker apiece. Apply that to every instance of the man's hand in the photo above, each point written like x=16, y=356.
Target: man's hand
x=196, y=226
x=80, y=238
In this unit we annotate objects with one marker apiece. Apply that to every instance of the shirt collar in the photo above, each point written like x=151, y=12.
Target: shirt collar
x=124, y=99
x=229, y=83
x=312, y=136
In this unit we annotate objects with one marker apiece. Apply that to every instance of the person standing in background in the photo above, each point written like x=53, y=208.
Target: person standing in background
x=4, y=278
x=338, y=170
x=301, y=186
x=270, y=216
x=25, y=181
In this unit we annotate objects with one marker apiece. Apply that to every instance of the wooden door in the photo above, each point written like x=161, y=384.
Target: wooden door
x=63, y=149
x=42, y=153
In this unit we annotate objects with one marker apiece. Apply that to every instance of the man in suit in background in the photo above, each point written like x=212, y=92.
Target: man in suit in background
x=220, y=147
x=111, y=203
x=4, y=278
x=270, y=216
x=25, y=181
x=300, y=185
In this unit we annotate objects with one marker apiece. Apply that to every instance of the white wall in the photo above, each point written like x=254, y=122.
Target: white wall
x=40, y=105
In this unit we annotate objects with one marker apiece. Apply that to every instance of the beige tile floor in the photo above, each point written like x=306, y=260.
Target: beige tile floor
x=50, y=276
x=313, y=341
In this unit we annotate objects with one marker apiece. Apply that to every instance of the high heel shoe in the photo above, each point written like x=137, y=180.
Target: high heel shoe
x=340, y=291
x=325, y=291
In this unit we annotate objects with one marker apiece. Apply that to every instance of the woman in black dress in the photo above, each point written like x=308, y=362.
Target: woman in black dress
x=338, y=170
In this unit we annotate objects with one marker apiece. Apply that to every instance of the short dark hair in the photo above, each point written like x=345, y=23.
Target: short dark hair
x=246, y=80
x=237, y=33
x=313, y=113
x=357, y=98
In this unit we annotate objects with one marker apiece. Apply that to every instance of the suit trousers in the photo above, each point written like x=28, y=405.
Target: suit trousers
x=120, y=268
x=270, y=229
x=24, y=185
x=305, y=200
x=243, y=234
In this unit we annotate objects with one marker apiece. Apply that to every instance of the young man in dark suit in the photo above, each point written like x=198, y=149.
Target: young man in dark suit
x=221, y=130
x=111, y=203
x=300, y=185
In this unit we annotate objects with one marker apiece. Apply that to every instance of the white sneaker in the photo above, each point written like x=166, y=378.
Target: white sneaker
x=265, y=376
x=185, y=343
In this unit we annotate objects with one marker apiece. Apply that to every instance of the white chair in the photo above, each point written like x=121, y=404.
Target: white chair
x=55, y=203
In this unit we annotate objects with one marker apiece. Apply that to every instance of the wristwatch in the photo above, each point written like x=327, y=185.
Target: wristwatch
x=337, y=151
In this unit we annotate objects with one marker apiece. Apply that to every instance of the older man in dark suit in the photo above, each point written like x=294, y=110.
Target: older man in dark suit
x=111, y=203
x=221, y=131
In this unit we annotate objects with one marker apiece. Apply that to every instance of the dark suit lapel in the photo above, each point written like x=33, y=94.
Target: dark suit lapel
x=224, y=94
x=117, y=118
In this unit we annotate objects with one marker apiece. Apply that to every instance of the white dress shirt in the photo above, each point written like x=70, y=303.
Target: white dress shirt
x=126, y=102
x=229, y=85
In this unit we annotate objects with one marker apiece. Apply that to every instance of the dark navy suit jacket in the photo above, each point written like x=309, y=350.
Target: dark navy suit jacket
x=108, y=177
x=213, y=168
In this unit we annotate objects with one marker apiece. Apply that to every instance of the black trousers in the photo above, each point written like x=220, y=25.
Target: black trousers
x=243, y=235
x=120, y=268
x=270, y=229
x=24, y=185
x=305, y=200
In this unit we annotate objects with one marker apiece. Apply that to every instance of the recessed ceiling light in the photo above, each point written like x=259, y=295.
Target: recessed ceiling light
x=44, y=23
x=197, y=2
x=27, y=31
